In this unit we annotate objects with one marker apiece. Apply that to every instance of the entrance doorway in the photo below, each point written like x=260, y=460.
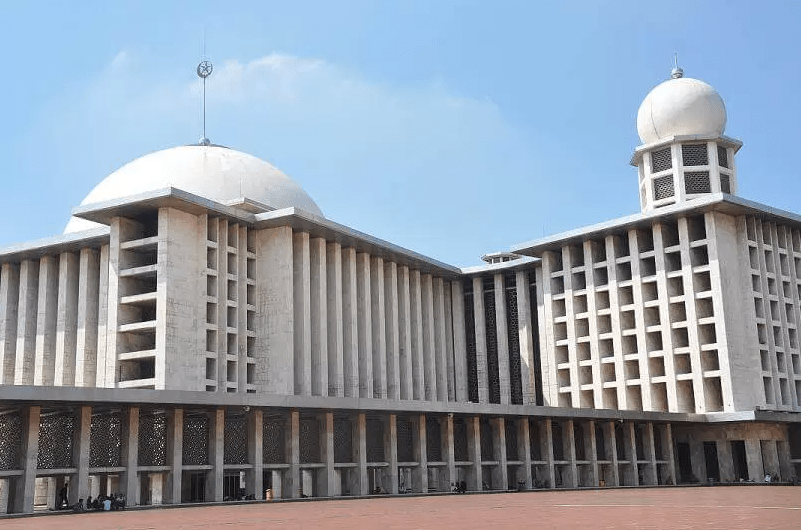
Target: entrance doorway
x=711, y=458
x=197, y=487
x=739, y=460
x=685, y=462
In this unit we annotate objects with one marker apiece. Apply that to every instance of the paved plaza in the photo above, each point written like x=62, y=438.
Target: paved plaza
x=675, y=508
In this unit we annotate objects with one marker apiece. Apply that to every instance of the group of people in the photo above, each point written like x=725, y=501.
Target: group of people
x=101, y=503
x=459, y=487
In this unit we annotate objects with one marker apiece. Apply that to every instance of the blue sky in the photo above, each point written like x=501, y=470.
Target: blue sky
x=450, y=128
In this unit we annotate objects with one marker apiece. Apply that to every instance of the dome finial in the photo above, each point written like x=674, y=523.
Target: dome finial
x=677, y=72
x=204, y=70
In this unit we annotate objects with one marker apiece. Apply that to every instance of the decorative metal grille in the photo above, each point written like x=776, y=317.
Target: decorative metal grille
x=513, y=338
x=105, y=440
x=405, y=440
x=510, y=427
x=694, y=155
x=309, y=441
x=343, y=440
x=600, y=443
x=558, y=444
x=56, y=433
x=433, y=440
x=460, y=451
x=375, y=440
x=620, y=442
x=487, y=449
x=273, y=441
x=661, y=160
x=696, y=182
x=578, y=440
x=491, y=333
x=663, y=187
x=235, y=450
x=534, y=441
x=537, y=371
x=723, y=157
x=470, y=336
x=11, y=450
x=196, y=441
x=725, y=183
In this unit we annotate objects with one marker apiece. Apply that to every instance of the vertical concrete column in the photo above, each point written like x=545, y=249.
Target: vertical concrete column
x=441, y=342
x=379, y=328
x=500, y=473
x=4, y=485
x=336, y=367
x=524, y=451
x=256, y=453
x=418, y=366
x=131, y=456
x=459, y=343
x=391, y=452
x=571, y=453
x=525, y=338
x=66, y=320
x=365, y=325
x=474, y=449
x=481, y=342
x=350, y=319
x=103, y=296
x=9, y=300
x=502, y=339
x=589, y=438
x=650, y=454
x=420, y=454
x=632, y=450
x=449, y=358
x=291, y=484
x=87, y=318
x=175, y=455
x=26, y=484
x=319, y=317
x=26, y=322
x=301, y=273
x=361, y=453
x=429, y=340
x=392, y=330
x=448, y=447
x=47, y=314
x=214, y=487
x=328, y=478
x=609, y=428
x=753, y=456
x=667, y=446
x=692, y=331
x=80, y=487
x=405, y=334
x=548, y=453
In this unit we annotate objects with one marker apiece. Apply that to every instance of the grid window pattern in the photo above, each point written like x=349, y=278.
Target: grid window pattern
x=470, y=333
x=491, y=332
x=696, y=182
x=661, y=160
x=725, y=183
x=663, y=187
x=723, y=157
x=513, y=339
x=694, y=155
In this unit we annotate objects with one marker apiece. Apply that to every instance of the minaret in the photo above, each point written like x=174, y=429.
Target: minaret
x=684, y=153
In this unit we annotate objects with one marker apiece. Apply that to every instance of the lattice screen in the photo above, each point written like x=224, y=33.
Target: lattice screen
x=196, y=440
x=309, y=441
x=661, y=160
x=405, y=440
x=663, y=187
x=460, y=447
x=723, y=157
x=534, y=441
x=491, y=333
x=513, y=336
x=470, y=336
x=273, y=441
x=511, y=427
x=375, y=440
x=11, y=438
x=105, y=440
x=235, y=450
x=725, y=183
x=433, y=440
x=578, y=439
x=696, y=182
x=694, y=155
x=56, y=434
x=343, y=440
x=487, y=449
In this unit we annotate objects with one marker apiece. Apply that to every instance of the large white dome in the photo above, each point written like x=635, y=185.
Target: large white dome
x=211, y=171
x=678, y=107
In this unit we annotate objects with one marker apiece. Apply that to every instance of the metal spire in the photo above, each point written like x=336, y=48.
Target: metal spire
x=204, y=70
x=677, y=72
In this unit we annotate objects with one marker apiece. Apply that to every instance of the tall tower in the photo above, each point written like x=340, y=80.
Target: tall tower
x=684, y=153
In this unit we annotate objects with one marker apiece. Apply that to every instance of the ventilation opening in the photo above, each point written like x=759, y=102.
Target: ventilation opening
x=694, y=155
x=696, y=182
x=660, y=160
x=663, y=187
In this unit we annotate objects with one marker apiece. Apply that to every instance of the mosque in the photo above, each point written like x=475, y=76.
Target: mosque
x=202, y=332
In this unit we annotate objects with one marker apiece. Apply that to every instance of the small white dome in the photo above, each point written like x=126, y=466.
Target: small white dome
x=211, y=171
x=681, y=106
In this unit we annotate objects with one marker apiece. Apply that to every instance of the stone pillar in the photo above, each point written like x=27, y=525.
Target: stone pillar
x=79, y=485
x=336, y=377
x=524, y=451
x=255, y=479
x=175, y=455
x=214, y=487
x=571, y=452
x=9, y=299
x=440, y=342
x=391, y=452
x=500, y=473
x=753, y=454
x=103, y=331
x=361, y=453
x=612, y=442
x=131, y=456
x=421, y=454
x=292, y=445
x=632, y=450
x=319, y=317
x=350, y=318
x=4, y=485
x=481, y=342
x=502, y=339
x=525, y=337
x=301, y=279
x=379, y=328
x=548, y=453
x=450, y=362
x=365, y=320
x=418, y=367
x=650, y=454
x=328, y=479
x=405, y=334
x=66, y=321
x=26, y=484
x=429, y=341
x=448, y=447
x=87, y=319
x=392, y=330
x=474, y=449
x=667, y=446
x=589, y=438
x=25, y=356
x=47, y=314
x=459, y=343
